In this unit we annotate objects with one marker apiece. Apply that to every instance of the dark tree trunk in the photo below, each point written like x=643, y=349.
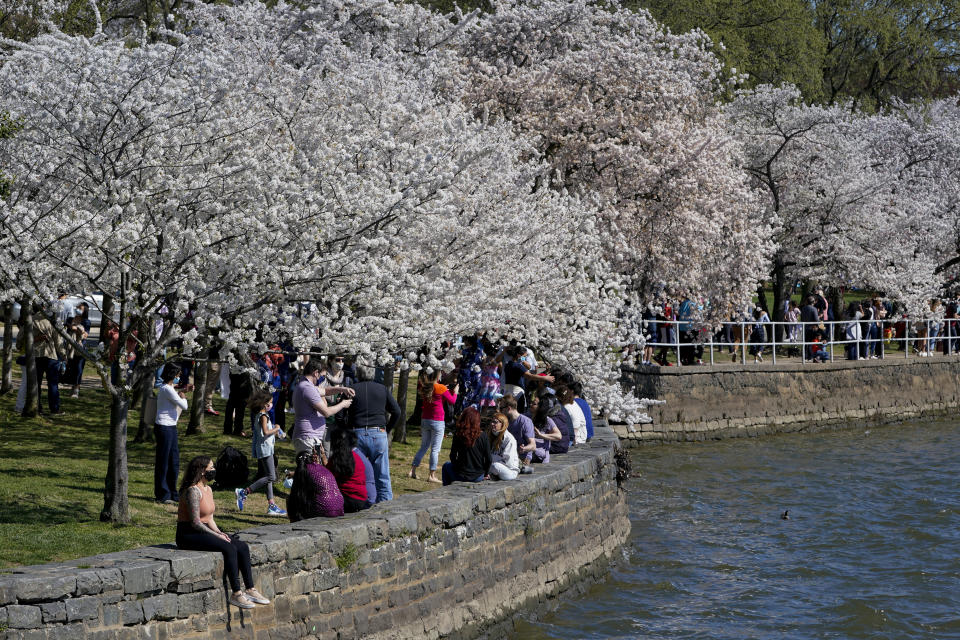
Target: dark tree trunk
x=6, y=378
x=388, y=378
x=107, y=315
x=781, y=294
x=116, y=506
x=200, y=382
x=30, y=406
x=144, y=430
x=400, y=434
x=762, y=298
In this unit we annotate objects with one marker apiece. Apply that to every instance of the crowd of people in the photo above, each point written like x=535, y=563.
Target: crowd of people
x=506, y=416
x=863, y=329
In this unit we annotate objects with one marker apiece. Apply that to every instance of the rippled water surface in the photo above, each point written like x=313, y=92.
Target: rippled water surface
x=871, y=549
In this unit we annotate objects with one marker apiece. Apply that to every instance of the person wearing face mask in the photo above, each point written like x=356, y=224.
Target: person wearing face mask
x=336, y=376
x=312, y=410
x=170, y=404
x=197, y=531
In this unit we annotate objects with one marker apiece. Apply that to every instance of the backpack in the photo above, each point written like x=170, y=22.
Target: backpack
x=232, y=469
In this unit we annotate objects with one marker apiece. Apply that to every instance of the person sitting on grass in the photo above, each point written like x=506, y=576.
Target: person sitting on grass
x=264, y=433
x=470, y=454
x=506, y=464
x=314, y=493
x=347, y=467
x=197, y=531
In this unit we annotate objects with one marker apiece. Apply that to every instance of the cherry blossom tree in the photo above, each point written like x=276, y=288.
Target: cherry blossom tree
x=627, y=113
x=225, y=179
x=853, y=198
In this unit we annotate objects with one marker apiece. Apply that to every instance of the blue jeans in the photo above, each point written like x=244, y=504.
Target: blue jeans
x=51, y=368
x=373, y=443
x=167, y=464
x=431, y=437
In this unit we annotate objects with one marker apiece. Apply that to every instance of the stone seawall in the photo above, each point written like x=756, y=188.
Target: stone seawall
x=704, y=402
x=456, y=562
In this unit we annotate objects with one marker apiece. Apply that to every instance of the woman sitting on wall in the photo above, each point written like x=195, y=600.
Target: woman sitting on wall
x=545, y=430
x=197, y=531
x=347, y=467
x=506, y=463
x=314, y=493
x=470, y=454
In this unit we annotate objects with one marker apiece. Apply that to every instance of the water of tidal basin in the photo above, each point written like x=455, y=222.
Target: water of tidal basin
x=871, y=549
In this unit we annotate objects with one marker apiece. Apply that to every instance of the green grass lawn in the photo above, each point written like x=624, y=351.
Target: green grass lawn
x=52, y=475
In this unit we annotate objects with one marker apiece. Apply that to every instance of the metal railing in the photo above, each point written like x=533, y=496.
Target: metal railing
x=811, y=341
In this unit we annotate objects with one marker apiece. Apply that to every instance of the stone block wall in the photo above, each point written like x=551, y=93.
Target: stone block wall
x=455, y=562
x=704, y=402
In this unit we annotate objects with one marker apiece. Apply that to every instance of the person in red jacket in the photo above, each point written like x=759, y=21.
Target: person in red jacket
x=347, y=467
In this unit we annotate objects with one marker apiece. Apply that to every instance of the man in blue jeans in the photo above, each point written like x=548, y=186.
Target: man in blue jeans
x=373, y=415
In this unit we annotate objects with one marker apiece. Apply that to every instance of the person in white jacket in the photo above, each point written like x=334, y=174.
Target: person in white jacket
x=506, y=463
x=853, y=333
x=578, y=421
x=170, y=403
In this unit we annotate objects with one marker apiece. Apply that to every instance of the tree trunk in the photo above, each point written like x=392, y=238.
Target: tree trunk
x=107, y=315
x=116, y=506
x=6, y=379
x=762, y=298
x=144, y=430
x=780, y=296
x=400, y=434
x=388, y=378
x=200, y=382
x=30, y=406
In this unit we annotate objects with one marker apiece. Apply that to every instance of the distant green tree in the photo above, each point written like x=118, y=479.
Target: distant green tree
x=869, y=51
x=878, y=50
x=774, y=41
x=25, y=19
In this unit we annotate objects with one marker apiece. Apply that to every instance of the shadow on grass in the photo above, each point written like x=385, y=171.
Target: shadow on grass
x=52, y=480
x=30, y=511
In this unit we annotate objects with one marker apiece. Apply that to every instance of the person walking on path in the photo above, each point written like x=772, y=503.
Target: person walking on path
x=197, y=531
x=170, y=404
x=368, y=417
x=264, y=434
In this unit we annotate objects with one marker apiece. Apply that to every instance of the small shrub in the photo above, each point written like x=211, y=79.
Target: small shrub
x=348, y=556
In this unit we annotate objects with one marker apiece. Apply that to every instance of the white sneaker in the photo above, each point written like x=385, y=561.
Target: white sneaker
x=242, y=601
x=255, y=596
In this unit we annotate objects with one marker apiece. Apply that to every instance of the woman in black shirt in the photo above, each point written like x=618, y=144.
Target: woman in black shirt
x=470, y=454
